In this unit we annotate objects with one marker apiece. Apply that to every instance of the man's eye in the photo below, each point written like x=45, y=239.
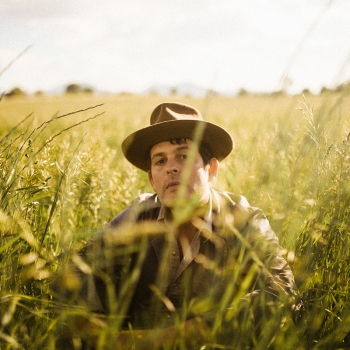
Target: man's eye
x=159, y=162
x=183, y=156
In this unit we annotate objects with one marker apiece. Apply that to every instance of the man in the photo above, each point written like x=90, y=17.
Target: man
x=182, y=266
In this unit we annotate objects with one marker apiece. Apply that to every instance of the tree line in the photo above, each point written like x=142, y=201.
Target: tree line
x=83, y=89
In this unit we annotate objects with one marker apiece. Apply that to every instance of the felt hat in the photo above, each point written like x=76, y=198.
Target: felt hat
x=175, y=120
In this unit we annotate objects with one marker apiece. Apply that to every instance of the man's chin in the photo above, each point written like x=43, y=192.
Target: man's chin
x=170, y=202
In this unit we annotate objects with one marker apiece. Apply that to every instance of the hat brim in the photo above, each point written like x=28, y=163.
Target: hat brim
x=136, y=147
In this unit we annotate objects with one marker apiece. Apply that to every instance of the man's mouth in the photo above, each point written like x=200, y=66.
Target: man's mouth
x=172, y=184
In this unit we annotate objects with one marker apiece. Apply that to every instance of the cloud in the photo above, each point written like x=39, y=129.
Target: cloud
x=24, y=11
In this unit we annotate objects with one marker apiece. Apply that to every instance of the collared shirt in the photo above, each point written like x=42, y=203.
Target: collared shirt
x=180, y=260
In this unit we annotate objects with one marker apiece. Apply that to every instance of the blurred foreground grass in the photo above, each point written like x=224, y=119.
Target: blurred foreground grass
x=63, y=177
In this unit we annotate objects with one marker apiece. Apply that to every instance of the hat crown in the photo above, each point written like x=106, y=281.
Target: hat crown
x=174, y=111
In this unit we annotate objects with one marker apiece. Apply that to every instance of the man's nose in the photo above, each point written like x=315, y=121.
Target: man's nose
x=173, y=167
x=172, y=171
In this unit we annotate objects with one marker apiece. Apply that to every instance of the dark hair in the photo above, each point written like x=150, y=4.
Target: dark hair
x=204, y=150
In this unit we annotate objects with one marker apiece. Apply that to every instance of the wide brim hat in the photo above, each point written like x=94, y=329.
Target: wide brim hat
x=171, y=121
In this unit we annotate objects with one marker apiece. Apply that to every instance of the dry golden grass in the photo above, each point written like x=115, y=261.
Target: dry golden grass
x=58, y=186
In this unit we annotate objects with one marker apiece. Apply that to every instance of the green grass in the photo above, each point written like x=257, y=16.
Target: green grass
x=62, y=177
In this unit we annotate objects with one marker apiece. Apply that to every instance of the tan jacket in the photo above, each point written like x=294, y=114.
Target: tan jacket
x=238, y=258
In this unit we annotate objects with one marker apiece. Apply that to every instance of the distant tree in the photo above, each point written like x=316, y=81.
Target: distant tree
x=325, y=90
x=73, y=88
x=339, y=88
x=77, y=88
x=38, y=93
x=243, y=92
x=15, y=92
x=345, y=87
x=306, y=92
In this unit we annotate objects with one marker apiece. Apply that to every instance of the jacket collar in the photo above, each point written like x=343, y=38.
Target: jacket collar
x=212, y=229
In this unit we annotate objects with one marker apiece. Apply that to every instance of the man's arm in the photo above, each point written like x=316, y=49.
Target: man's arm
x=253, y=231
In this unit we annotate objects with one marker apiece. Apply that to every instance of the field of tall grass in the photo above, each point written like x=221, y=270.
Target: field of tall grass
x=63, y=177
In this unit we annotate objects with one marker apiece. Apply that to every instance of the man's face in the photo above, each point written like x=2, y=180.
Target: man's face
x=168, y=162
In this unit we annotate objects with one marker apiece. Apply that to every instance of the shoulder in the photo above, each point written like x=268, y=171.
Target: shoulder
x=238, y=205
x=232, y=198
x=246, y=217
x=144, y=207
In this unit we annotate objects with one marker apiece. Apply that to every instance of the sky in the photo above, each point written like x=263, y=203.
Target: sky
x=131, y=46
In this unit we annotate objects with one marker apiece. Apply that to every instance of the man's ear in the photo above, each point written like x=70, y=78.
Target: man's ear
x=213, y=169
